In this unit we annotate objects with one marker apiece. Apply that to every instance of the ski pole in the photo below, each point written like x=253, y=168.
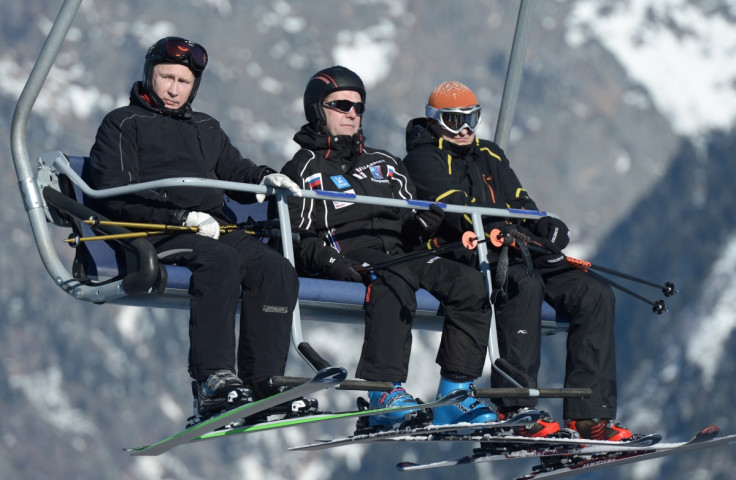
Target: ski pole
x=93, y=221
x=75, y=240
x=263, y=226
x=668, y=288
x=658, y=307
x=410, y=256
x=497, y=239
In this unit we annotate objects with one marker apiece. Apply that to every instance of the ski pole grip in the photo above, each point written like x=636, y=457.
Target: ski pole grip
x=311, y=355
x=499, y=239
x=469, y=240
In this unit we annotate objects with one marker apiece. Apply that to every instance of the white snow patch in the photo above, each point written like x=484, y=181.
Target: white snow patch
x=149, y=33
x=223, y=7
x=171, y=408
x=706, y=345
x=64, y=90
x=368, y=52
x=44, y=391
x=622, y=164
x=646, y=470
x=681, y=54
x=127, y=322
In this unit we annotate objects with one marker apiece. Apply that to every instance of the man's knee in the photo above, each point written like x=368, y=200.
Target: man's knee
x=521, y=284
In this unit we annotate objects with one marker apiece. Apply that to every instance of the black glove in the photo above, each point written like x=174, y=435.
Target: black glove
x=338, y=267
x=554, y=230
x=430, y=220
x=549, y=261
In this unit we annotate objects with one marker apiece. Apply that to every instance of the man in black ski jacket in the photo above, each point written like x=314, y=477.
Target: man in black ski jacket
x=338, y=236
x=450, y=164
x=158, y=136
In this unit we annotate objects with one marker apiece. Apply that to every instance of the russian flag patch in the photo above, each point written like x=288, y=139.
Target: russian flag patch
x=315, y=181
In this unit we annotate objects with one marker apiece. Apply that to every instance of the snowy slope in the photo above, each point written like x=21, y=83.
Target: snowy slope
x=676, y=51
x=681, y=51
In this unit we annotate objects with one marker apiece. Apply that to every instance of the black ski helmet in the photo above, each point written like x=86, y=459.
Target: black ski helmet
x=323, y=83
x=174, y=50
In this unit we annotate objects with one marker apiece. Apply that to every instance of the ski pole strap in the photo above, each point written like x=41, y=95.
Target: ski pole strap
x=499, y=281
x=510, y=235
x=527, y=257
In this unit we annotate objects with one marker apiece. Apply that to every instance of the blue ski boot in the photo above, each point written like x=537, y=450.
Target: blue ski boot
x=470, y=410
x=395, y=398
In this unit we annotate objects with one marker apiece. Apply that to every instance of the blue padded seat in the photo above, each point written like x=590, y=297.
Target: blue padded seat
x=105, y=260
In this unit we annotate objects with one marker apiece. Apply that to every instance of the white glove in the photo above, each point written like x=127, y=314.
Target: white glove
x=205, y=224
x=279, y=180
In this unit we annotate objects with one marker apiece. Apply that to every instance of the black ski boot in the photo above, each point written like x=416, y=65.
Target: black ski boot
x=222, y=391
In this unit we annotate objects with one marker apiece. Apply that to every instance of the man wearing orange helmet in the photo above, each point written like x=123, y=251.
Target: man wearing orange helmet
x=337, y=236
x=448, y=163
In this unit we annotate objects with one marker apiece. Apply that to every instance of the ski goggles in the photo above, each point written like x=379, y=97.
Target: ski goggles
x=344, y=106
x=179, y=50
x=456, y=119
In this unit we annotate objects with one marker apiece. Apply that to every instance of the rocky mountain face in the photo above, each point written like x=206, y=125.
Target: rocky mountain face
x=592, y=141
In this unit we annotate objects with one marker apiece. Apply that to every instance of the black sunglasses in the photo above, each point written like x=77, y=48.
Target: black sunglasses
x=344, y=106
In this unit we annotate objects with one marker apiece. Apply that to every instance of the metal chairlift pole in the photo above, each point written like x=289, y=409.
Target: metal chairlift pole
x=32, y=199
x=503, y=130
x=513, y=74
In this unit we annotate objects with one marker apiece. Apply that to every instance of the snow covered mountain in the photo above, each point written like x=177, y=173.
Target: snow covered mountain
x=624, y=127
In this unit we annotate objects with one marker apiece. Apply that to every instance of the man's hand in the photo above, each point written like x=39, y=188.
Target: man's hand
x=206, y=225
x=338, y=268
x=278, y=180
x=430, y=220
x=554, y=230
x=550, y=260
x=333, y=265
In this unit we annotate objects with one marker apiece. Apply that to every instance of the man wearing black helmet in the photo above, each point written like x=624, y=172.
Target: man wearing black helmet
x=337, y=236
x=159, y=136
x=450, y=164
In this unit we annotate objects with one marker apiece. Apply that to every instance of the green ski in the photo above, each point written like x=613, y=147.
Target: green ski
x=454, y=397
x=325, y=378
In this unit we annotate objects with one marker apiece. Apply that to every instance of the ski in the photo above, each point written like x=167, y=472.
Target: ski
x=325, y=378
x=453, y=397
x=491, y=440
x=494, y=448
x=427, y=433
x=568, y=466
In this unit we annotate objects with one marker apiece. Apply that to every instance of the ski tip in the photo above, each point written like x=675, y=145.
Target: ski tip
x=711, y=431
x=405, y=465
x=331, y=375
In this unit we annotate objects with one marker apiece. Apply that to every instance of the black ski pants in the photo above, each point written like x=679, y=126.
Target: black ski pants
x=591, y=349
x=391, y=304
x=220, y=269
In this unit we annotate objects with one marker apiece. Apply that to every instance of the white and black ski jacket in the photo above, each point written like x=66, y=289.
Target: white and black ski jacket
x=345, y=164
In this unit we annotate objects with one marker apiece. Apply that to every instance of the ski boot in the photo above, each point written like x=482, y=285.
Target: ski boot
x=470, y=410
x=599, y=429
x=546, y=426
x=297, y=407
x=395, y=398
x=222, y=391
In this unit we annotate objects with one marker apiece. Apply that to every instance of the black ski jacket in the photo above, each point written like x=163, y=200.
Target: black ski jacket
x=477, y=175
x=344, y=164
x=140, y=143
